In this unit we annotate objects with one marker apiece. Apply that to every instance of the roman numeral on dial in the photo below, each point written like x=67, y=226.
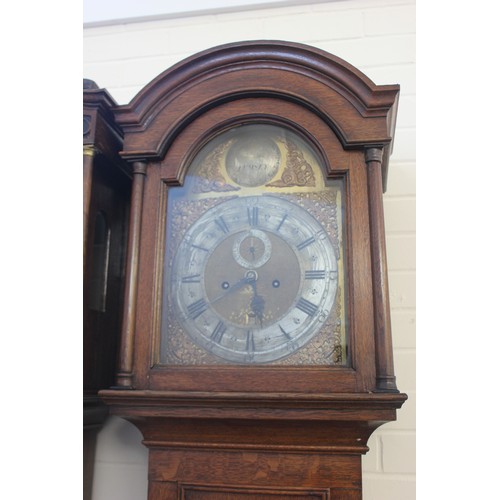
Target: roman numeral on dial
x=250, y=342
x=222, y=224
x=195, y=278
x=253, y=216
x=199, y=247
x=307, y=307
x=197, y=308
x=285, y=333
x=281, y=222
x=306, y=243
x=315, y=274
x=218, y=332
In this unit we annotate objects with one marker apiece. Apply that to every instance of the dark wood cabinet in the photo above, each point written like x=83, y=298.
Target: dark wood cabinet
x=106, y=197
x=256, y=353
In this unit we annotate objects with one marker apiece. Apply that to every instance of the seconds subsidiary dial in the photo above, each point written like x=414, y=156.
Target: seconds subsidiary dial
x=254, y=279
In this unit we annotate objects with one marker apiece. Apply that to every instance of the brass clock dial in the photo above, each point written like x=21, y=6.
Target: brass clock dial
x=254, y=267
x=242, y=276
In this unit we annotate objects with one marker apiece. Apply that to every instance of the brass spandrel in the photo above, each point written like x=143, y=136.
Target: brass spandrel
x=297, y=170
x=283, y=163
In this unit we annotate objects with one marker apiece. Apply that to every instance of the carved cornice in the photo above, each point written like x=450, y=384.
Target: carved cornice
x=367, y=97
x=97, y=103
x=101, y=134
x=256, y=69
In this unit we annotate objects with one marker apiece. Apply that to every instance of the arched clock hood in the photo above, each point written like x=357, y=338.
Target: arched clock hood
x=361, y=113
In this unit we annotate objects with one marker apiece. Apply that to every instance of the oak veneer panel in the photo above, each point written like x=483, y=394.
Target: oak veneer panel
x=264, y=469
x=163, y=491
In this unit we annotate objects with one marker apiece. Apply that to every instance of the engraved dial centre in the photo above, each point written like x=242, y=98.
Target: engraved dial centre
x=244, y=293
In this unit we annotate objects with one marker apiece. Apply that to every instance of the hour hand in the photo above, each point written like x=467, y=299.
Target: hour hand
x=249, y=278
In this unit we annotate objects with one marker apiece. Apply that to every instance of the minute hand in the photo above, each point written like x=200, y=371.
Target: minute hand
x=257, y=304
x=243, y=281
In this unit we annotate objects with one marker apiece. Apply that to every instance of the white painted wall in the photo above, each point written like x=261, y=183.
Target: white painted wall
x=378, y=37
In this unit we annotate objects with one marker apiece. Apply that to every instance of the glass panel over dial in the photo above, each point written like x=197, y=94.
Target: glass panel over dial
x=254, y=260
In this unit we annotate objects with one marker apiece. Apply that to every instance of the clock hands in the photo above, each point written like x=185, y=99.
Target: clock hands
x=250, y=277
x=257, y=304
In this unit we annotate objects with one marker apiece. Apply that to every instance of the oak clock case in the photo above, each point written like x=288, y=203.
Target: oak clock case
x=256, y=354
x=254, y=255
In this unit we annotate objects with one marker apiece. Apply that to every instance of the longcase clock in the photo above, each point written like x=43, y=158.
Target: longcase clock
x=106, y=199
x=256, y=354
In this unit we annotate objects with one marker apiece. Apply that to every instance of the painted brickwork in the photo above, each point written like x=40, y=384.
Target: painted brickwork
x=378, y=37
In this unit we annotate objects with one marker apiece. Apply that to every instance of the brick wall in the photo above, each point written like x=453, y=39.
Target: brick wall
x=378, y=37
